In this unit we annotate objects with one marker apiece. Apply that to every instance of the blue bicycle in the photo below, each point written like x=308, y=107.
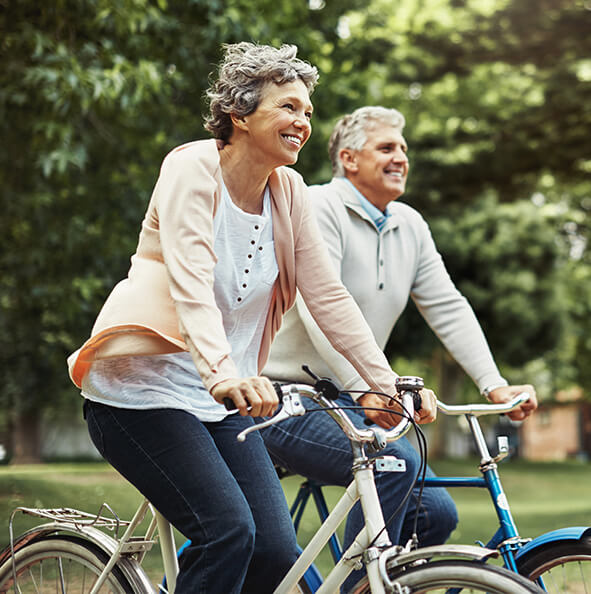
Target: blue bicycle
x=559, y=561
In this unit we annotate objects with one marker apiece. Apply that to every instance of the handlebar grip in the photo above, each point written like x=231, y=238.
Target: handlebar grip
x=416, y=400
x=229, y=403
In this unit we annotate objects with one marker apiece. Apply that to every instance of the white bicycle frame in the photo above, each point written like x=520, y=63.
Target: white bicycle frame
x=362, y=488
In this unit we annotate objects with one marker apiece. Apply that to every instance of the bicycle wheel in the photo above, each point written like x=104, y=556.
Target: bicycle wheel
x=564, y=566
x=60, y=564
x=466, y=576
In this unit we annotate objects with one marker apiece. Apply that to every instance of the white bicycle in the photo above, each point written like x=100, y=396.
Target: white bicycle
x=79, y=552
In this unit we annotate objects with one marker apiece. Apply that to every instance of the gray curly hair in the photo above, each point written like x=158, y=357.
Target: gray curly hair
x=351, y=131
x=245, y=69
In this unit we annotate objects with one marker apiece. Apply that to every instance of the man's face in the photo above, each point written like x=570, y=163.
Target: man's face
x=380, y=168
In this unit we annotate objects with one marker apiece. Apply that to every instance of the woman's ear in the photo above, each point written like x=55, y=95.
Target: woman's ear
x=239, y=122
x=348, y=158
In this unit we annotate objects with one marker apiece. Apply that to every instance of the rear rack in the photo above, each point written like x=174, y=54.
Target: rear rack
x=76, y=517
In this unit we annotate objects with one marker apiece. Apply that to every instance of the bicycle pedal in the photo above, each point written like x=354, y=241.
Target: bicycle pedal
x=389, y=464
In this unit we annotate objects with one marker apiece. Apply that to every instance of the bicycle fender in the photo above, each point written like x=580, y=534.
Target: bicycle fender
x=570, y=533
x=394, y=558
x=130, y=568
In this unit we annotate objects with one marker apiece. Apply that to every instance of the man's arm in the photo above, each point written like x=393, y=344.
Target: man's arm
x=453, y=320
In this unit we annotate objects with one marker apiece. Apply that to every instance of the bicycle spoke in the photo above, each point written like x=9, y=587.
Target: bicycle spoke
x=61, y=575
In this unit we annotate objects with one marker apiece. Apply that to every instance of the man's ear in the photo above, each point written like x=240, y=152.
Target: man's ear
x=348, y=158
x=239, y=122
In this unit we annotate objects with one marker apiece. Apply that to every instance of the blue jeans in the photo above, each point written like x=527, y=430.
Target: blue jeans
x=221, y=494
x=314, y=446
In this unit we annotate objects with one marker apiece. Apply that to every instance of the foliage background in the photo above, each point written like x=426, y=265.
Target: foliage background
x=497, y=96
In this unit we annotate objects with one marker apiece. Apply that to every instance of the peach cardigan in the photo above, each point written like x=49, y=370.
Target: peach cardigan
x=166, y=304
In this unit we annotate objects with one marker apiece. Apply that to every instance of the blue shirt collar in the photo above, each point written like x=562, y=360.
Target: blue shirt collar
x=377, y=216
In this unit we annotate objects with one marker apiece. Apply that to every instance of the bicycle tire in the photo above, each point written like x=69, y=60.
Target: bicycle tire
x=48, y=564
x=467, y=576
x=563, y=565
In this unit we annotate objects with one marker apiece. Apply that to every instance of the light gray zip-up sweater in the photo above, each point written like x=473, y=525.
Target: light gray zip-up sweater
x=381, y=269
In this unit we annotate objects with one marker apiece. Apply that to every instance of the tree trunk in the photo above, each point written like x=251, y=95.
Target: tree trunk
x=450, y=376
x=26, y=437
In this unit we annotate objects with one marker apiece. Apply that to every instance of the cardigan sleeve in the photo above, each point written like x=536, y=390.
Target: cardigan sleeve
x=185, y=204
x=332, y=220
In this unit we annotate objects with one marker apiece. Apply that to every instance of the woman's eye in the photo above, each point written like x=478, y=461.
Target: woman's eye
x=289, y=106
x=309, y=115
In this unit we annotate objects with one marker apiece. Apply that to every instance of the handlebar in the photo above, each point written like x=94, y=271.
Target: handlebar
x=408, y=391
x=478, y=410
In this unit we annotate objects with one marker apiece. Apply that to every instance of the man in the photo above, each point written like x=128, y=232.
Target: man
x=385, y=254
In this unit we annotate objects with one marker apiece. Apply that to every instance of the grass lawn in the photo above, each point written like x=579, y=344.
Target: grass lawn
x=543, y=497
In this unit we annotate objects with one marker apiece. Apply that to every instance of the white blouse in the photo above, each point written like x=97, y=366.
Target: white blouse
x=244, y=275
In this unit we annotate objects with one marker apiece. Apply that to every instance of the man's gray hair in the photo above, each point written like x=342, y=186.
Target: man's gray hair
x=243, y=73
x=350, y=131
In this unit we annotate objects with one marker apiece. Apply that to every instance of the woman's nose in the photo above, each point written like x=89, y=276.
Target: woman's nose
x=302, y=121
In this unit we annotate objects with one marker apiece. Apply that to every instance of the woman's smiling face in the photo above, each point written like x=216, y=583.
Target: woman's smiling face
x=280, y=126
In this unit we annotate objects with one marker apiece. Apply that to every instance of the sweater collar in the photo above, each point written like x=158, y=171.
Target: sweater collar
x=358, y=203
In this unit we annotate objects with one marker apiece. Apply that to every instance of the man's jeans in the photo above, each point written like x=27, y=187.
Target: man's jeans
x=223, y=495
x=315, y=447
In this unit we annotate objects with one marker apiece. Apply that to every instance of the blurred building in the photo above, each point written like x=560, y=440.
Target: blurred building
x=558, y=430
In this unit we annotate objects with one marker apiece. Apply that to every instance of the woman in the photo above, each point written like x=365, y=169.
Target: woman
x=226, y=240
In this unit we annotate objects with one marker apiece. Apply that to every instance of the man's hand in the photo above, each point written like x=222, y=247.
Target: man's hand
x=254, y=392
x=428, y=411
x=389, y=415
x=506, y=393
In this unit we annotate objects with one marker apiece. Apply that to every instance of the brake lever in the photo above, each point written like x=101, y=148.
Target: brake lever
x=291, y=407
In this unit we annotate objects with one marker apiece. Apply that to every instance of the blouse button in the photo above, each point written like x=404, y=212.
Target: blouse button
x=250, y=255
x=256, y=227
x=381, y=286
x=246, y=270
x=239, y=299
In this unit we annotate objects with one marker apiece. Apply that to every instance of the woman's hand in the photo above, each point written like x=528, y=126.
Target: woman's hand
x=390, y=413
x=254, y=392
